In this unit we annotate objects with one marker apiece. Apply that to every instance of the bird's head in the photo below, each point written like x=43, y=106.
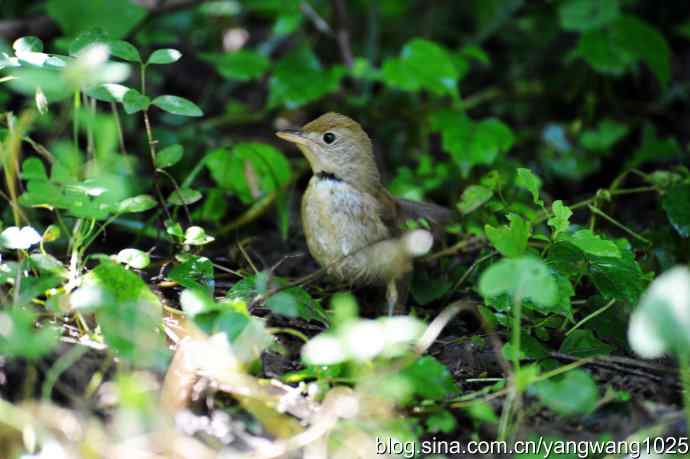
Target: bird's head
x=335, y=144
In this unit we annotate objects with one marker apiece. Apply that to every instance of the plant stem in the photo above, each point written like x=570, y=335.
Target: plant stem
x=615, y=222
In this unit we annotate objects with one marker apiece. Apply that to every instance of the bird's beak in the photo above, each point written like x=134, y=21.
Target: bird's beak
x=293, y=135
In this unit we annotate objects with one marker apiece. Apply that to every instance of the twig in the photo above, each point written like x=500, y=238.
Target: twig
x=343, y=34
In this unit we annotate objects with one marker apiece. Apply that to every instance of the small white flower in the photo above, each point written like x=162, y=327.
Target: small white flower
x=665, y=304
x=16, y=238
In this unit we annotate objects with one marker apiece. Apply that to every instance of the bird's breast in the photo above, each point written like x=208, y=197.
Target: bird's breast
x=338, y=219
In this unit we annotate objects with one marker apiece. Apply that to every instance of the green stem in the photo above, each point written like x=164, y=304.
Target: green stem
x=615, y=222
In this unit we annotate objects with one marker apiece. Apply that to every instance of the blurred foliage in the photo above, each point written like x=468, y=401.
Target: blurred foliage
x=138, y=156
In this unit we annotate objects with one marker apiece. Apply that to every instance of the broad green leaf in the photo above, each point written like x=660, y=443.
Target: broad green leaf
x=47, y=263
x=134, y=101
x=582, y=343
x=471, y=143
x=520, y=278
x=529, y=181
x=296, y=301
x=21, y=339
x=430, y=379
x=592, y=244
x=654, y=149
x=34, y=169
x=619, y=278
x=128, y=312
x=196, y=235
x=442, y=421
x=646, y=43
x=298, y=79
x=560, y=220
x=627, y=40
x=573, y=393
x=108, y=92
x=473, y=197
x=177, y=105
x=134, y=258
x=169, y=156
x=248, y=165
x=422, y=64
x=241, y=65
x=426, y=288
x=510, y=241
x=605, y=136
x=87, y=38
x=584, y=15
x=115, y=17
x=124, y=50
x=140, y=203
x=164, y=56
x=194, y=272
x=184, y=196
x=676, y=203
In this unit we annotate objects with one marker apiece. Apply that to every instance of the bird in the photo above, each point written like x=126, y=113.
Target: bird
x=351, y=222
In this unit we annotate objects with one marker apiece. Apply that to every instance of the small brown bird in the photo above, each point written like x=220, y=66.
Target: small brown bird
x=351, y=222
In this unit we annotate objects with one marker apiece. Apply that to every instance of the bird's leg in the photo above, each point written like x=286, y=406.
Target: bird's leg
x=392, y=297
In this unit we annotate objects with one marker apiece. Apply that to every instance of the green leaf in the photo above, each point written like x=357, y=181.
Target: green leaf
x=241, y=65
x=134, y=258
x=177, y=105
x=442, y=421
x=249, y=165
x=510, y=241
x=108, y=92
x=134, y=101
x=582, y=343
x=20, y=339
x=529, y=181
x=164, y=56
x=426, y=288
x=619, y=278
x=34, y=169
x=194, y=272
x=628, y=40
x=584, y=15
x=560, y=221
x=124, y=50
x=654, y=149
x=28, y=44
x=521, y=278
x=605, y=136
x=169, y=156
x=196, y=235
x=298, y=79
x=473, y=197
x=184, y=196
x=676, y=203
x=574, y=393
x=471, y=143
x=127, y=311
x=646, y=43
x=429, y=378
x=592, y=244
x=115, y=17
x=422, y=64
x=140, y=203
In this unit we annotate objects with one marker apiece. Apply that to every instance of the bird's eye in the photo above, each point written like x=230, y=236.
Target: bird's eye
x=329, y=137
